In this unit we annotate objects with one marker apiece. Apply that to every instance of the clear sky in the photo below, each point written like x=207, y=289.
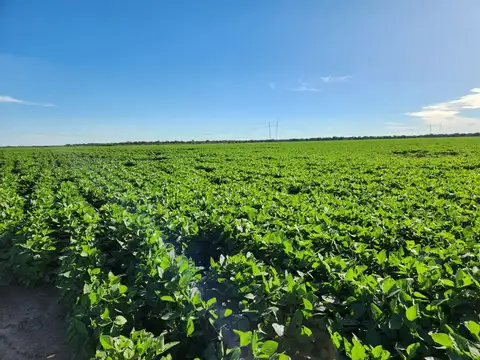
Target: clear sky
x=110, y=70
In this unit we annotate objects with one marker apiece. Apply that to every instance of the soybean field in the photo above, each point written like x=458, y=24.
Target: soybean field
x=278, y=250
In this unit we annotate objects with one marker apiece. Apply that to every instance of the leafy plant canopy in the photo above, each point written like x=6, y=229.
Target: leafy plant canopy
x=360, y=249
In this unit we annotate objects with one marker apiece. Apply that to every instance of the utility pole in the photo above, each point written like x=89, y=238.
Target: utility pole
x=276, y=133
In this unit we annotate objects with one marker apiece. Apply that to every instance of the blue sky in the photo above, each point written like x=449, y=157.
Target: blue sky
x=96, y=71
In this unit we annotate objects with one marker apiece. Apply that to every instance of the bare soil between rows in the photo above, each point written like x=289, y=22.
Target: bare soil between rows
x=32, y=324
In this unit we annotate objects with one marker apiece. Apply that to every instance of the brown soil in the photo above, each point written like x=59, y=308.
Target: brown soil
x=32, y=324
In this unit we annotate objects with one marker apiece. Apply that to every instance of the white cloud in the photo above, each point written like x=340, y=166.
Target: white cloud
x=334, y=79
x=303, y=86
x=272, y=85
x=9, y=99
x=470, y=101
x=449, y=114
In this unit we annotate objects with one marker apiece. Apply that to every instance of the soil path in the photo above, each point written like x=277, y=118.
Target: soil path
x=32, y=324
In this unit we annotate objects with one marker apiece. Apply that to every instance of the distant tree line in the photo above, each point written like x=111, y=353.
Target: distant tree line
x=330, y=138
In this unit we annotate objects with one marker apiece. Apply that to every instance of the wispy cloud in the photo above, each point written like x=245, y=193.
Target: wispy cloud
x=396, y=124
x=12, y=100
x=449, y=113
x=334, y=79
x=303, y=86
x=272, y=85
x=400, y=127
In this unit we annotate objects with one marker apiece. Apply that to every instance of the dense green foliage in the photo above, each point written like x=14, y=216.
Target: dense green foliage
x=253, y=250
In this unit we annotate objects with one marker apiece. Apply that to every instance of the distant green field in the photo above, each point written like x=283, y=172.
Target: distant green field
x=369, y=249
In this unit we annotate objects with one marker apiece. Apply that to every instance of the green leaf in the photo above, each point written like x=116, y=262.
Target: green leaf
x=87, y=288
x=279, y=329
x=245, y=337
x=169, y=316
x=442, y=339
x=120, y=320
x=210, y=302
x=447, y=282
x=358, y=351
x=93, y=298
x=170, y=345
x=227, y=312
x=160, y=271
x=255, y=342
x=190, y=327
x=105, y=315
x=412, y=312
x=412, y=349
x=337, y=339
x=382, y=257
x=197, y=299
x=376, y=311
x=128, y=353
x=348, y=346
x=122, y=289
x=473, y=327
x=419, y=295
x=421, y=268
x=269, y=347
x=306, y=331
x=307, y=304
x=387, y=285
x=288, y=247
x=377, y=351
x=463, y=279
x=112, y=277
x=167, y=298
x=106, y=342
x=283, y=357
x=350, y=275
